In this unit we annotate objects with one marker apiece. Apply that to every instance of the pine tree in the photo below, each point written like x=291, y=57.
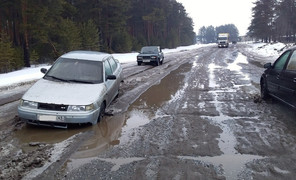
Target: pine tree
x=89, y=36
x=7, y=58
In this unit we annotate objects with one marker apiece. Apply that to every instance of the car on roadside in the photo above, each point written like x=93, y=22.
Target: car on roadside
x=75, y=90
x=150, y=54
x=279, y=78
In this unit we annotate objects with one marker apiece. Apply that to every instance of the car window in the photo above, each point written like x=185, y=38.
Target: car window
x=108, y=70
x=113, y=64
x=292, y=62
x=281, y=61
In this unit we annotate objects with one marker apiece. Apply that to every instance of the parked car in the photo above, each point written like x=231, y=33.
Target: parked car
x=76, y=89
x=150, y=54
x=279, y=78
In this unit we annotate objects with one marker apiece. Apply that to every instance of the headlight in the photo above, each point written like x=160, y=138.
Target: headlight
x=29, y=104
x=153, y=57
x=80, y=108
x=139, y=57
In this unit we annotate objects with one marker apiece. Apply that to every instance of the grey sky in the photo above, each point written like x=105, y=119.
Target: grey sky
x=220, y=12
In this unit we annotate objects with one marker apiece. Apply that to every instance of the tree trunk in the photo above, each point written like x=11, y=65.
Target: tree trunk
x=26, y=42
x=26, y=54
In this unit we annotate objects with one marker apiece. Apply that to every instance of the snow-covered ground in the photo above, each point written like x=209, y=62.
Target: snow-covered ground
x=33, y=73
x=268, y=49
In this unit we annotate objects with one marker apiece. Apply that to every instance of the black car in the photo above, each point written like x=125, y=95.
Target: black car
x=150, y=54
x=279, y=78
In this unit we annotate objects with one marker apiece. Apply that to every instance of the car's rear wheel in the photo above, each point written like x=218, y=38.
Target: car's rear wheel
x=102, y=112
x=264, y=91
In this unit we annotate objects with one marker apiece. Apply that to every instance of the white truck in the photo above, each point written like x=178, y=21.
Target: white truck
x=223, y=40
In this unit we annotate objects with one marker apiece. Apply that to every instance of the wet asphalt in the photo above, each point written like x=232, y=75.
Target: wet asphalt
x=195, y=117
x=201, y=121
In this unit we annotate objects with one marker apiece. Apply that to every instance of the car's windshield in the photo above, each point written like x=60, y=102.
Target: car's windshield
x=149, y=50
x=77, y=71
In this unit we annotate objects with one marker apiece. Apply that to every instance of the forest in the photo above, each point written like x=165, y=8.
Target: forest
x=274, y=20
x=209, y=34
x=39, y=31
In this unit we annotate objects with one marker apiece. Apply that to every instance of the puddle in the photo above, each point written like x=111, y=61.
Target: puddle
x=231, y=164
x=119, y=129
x=231, y=161
x=110, y=129
x=36, y=134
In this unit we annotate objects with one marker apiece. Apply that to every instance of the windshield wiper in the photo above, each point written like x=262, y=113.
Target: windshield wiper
x=80, y=81
x=53, y=77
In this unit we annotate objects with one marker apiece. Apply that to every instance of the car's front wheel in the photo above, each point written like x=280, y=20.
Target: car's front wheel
x=102, y=112
x=157, y=62
x=161, y=62
x=264, y=91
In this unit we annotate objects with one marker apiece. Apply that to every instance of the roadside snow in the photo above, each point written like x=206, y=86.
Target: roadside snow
x=269, y=49
x=24, y=75
x=33, y=73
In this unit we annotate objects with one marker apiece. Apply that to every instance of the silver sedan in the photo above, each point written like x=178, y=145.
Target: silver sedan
x=76, y=89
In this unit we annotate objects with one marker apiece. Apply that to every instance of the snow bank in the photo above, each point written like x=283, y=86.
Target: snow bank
x=24, y=75
x=269, y=49
x=33, y=73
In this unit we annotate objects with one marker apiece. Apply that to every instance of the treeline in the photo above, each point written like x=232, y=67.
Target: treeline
x=274, y=20
x=209, y=34
x=37, y=31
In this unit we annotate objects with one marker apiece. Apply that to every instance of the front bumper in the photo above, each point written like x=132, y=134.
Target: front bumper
x=147, y=60
x=223, y=44
x=56, y=118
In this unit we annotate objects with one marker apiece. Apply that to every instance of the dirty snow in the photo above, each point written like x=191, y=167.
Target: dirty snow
x=33, y=73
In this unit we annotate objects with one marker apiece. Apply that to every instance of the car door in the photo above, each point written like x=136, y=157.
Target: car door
x=273, y=78
x=288, y=83
x=110, y=84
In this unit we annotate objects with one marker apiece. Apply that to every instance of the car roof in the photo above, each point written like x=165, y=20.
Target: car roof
x=292, y=48
x=87, y=55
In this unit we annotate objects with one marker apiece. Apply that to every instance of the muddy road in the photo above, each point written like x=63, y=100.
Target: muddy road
x=198, y=116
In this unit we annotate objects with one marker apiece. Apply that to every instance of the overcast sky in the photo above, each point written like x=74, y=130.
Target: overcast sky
x=220, y=12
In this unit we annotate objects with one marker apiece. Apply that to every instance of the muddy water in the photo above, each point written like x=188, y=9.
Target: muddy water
x=231, y=160
x=141, y=112
x=112, y=129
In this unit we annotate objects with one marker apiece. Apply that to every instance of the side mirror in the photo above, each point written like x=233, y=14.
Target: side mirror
x=267, y=65
x=43, y=70
x=111, y=77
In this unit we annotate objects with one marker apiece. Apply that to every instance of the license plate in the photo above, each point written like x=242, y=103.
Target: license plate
x=47, y=118
x=146, y=60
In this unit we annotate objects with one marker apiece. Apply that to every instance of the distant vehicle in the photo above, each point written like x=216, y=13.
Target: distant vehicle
x=279, y=79
x=76, y=89
x=150, y=54
x=223, y=40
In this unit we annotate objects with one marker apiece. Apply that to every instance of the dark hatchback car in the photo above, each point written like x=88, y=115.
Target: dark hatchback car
x=279, y=78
